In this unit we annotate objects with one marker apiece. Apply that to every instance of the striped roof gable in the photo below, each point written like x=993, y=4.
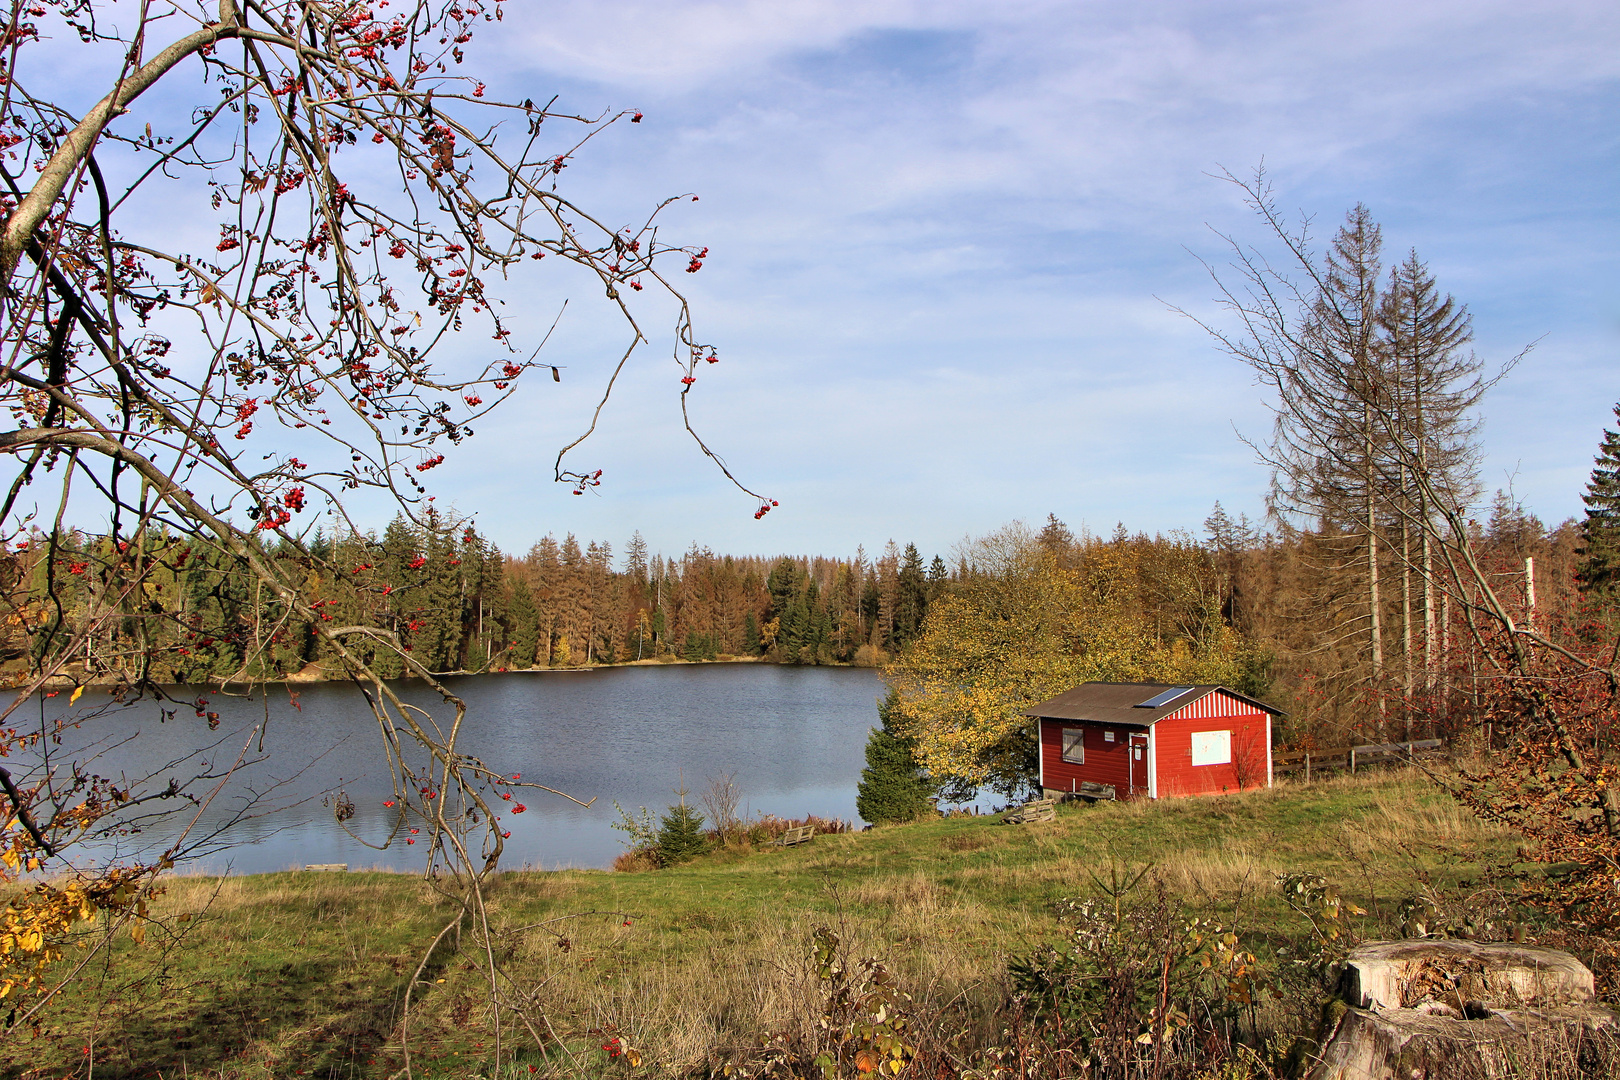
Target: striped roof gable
x=1120, y=703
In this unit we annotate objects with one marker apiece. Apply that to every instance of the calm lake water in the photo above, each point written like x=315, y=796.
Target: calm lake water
x=795, y=737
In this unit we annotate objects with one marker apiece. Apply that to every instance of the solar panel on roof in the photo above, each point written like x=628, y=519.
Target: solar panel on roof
x=1164, y=698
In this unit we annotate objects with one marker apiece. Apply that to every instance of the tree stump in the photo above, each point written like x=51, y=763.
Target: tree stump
x=1458, y=1010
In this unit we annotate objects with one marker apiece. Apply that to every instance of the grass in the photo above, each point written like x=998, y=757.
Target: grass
x=303, y=974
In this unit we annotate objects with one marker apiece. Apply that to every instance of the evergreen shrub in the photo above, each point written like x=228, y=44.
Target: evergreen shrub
x=893, y=788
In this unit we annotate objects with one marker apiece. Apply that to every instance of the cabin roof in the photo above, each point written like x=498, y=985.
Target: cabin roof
x=1122, y=703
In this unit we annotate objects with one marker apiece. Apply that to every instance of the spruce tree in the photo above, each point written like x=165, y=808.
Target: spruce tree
x=911, y=597
x=892, y=788
x=1598, y=574
x=680, y=833
x=525, y=625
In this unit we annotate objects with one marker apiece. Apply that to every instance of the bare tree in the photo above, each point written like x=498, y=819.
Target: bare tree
x=721, y=799
x=1545, y=694
x=1367, y=387
x=299, y=230
x=1436, y=385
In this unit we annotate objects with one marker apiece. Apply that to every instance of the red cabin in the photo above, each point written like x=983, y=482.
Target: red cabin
x=1153, y=740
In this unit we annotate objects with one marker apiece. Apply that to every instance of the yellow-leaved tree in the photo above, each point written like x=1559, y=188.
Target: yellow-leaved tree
x=1030, y=620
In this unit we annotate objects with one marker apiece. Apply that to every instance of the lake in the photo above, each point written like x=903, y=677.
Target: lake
x=794, y=736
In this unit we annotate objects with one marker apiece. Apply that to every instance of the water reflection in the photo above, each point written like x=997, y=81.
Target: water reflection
x=795, y=736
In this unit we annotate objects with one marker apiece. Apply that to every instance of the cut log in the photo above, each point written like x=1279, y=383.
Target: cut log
x=1459, y=1010
x=1403, y=974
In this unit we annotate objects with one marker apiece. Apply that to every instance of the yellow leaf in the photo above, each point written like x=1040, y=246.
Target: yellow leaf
x=137, y=933
x=77, y=693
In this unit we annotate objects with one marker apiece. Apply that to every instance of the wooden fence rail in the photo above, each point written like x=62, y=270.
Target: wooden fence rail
x=1349, y=757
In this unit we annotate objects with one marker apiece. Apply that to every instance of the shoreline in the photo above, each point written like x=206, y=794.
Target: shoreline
x=314, y=675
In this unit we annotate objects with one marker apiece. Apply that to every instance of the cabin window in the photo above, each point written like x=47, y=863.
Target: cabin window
x=1074, y=746
x=1108, y=736
x=1211, y=747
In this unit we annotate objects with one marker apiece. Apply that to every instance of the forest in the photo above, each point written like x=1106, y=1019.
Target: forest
x=455, y=602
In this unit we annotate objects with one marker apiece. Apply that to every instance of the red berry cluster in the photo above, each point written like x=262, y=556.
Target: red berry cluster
x=593, y=480
x=243, y=412
x=764, y=508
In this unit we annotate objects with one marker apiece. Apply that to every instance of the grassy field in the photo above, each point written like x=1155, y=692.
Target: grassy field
x=303, y=974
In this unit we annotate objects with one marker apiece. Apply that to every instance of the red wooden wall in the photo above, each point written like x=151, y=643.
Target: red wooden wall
x=1172, y=743
x=1106, y=762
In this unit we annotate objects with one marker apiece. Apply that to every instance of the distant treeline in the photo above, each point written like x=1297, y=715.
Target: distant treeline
x=456, y=601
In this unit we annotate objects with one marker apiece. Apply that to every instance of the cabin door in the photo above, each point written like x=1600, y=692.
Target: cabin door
x=1139, y=764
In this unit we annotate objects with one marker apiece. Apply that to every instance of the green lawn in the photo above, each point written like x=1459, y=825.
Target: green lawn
x=303, y=974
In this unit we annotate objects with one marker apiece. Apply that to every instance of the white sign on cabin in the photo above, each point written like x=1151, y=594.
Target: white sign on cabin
x=1211, y=747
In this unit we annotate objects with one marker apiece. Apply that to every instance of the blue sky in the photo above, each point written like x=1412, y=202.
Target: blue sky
x=945, y=238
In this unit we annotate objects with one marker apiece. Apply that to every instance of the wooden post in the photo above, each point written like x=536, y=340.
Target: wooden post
x=1307, y=766
x=1352, y=761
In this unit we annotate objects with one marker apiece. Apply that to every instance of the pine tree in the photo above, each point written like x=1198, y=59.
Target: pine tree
x=525, y=623
x=892, y=788
x=911, y=597
x=439, y=637
x=1598, y=574
x=680, y=833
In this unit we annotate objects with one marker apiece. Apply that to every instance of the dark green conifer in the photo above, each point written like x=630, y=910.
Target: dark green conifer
x=1598, y=573
x=680, y=833
x=525, y=625
x=892, y=788
x=911, y=597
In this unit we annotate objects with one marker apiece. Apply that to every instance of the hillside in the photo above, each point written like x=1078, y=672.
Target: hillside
x=302, y=973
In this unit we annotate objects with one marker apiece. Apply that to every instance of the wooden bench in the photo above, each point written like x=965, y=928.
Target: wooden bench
x=328, y=867
x=1038, y=810
x=799, y=834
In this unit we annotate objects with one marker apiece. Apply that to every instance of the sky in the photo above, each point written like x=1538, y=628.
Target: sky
x=948, y=241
